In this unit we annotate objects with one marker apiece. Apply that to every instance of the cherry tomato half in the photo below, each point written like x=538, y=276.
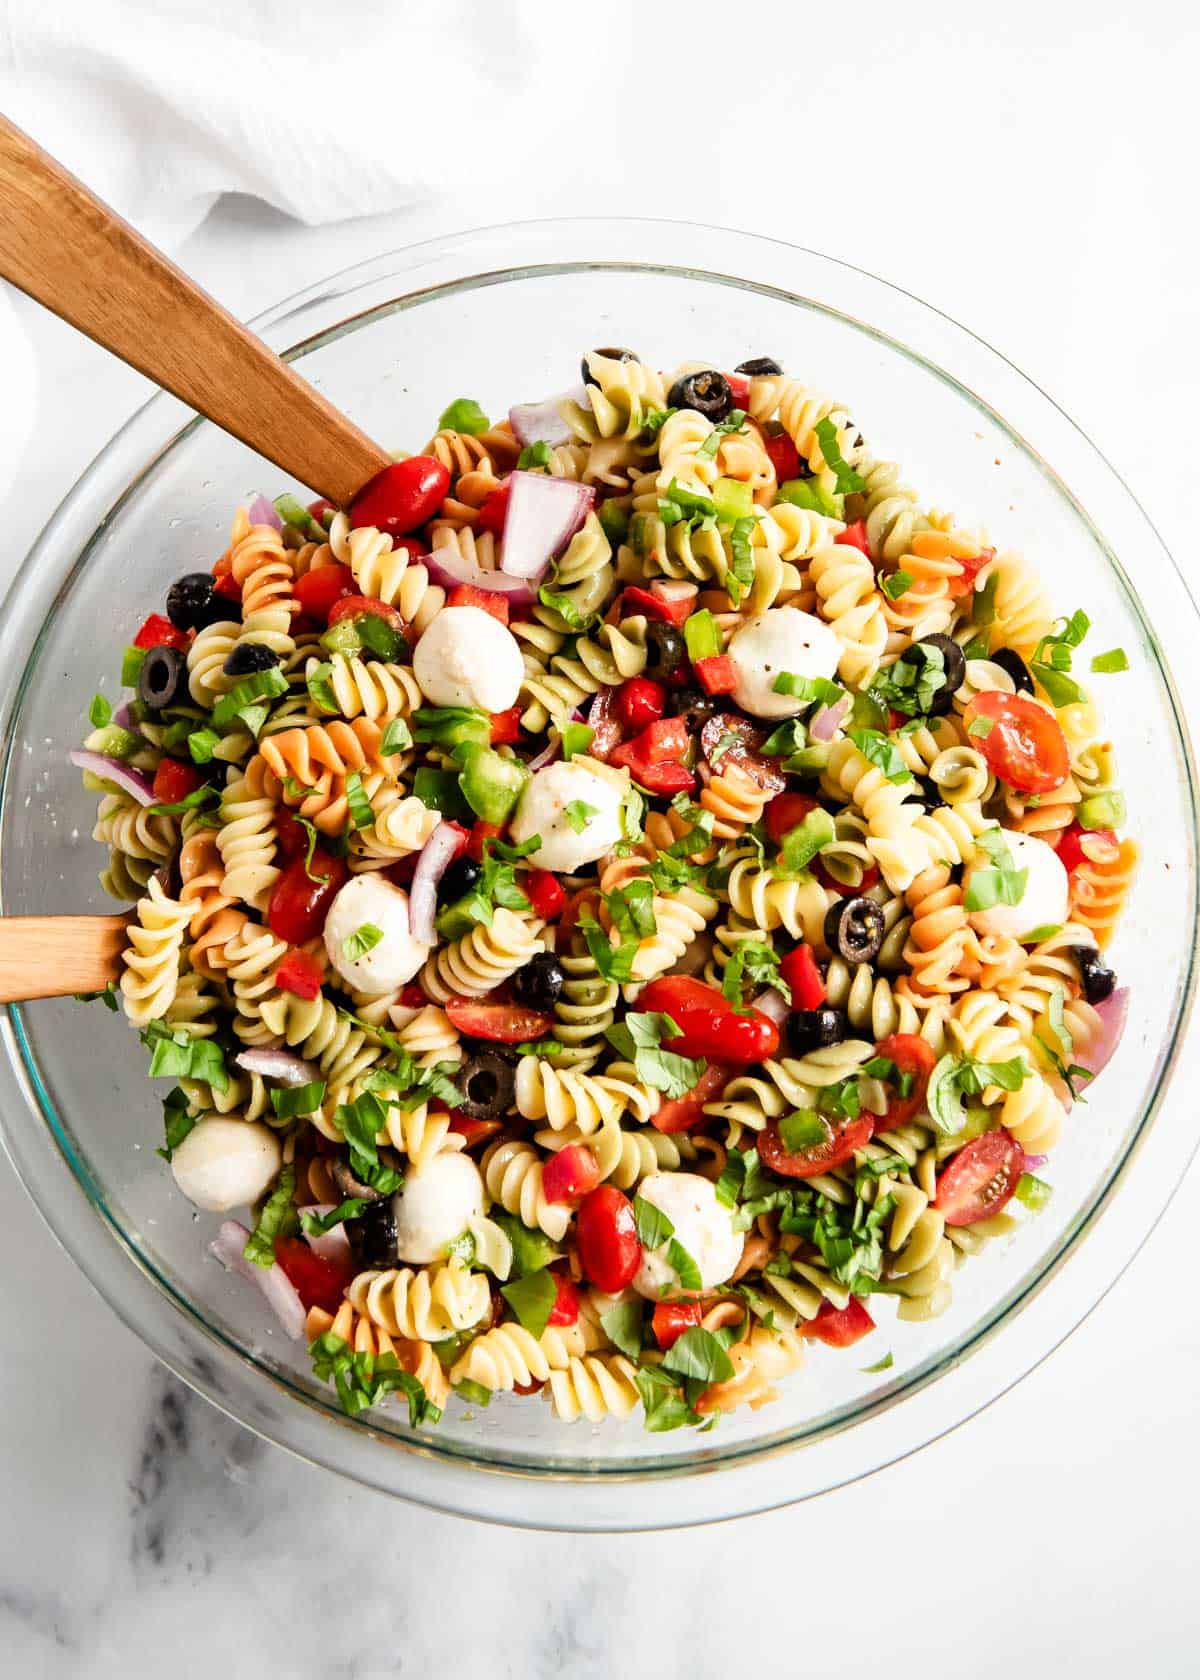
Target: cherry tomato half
x=672, y=1318
x=821, y=1157
x=1070, y=844
x=1025, y=746
x=356, y=606
x=403, y=496
x=318, y=1281
x=318, y=591
x=709, y=1024
x=475, y=1131
x=911, y=1055
x=978, y=1181
x=502, y=1023
x=677, y=1114
x=572, y=1173
x=840, y=1327
x=489, y=601
x=607, y=1240
x=300, y=904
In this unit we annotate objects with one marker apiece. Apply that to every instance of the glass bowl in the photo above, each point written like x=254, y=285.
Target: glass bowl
x=503, y=314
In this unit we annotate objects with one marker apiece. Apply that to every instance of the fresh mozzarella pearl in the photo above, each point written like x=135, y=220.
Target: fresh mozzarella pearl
x=542, y=810
x=781, y=639
x=702, y=1226
x=434, y=1206
x=224, y=1164
x=371, y=901
x=468, y=658
x=1044, y=901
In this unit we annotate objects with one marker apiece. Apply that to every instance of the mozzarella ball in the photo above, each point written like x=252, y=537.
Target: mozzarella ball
x=369, y=901
x=1044, y=901
x=468, y=658
x=542, y=809
x=224, y=1164
x=434, y=1206
x=781, y=639
x=702, y=1226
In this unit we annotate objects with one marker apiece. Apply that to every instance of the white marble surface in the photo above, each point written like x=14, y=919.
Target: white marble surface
x=1034, y=177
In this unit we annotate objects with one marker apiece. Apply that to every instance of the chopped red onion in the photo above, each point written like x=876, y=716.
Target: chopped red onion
x=547, y=755
x=261, y=512
x=829, y=720
x=1114, y=1015
x=133, y=782
x=543, y=515
x=447, y=567
x=229, y=1248
x=279, y=1065
x=330, y=1245
x=542, y=422
x=438, y=852
x=772, y=1004
x=1034, y=1161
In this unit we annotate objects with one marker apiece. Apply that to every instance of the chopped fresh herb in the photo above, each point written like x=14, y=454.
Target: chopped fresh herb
x=789, y=737
x=805, y=1129
x=879, y=751
x=848, y=481
x=896, y=584
x=698, y=1355
x=653, y=1226
x=190, y=801
x=495, y=885
x=289, y=1101
x=532, y=1299
x=638, y=1037
x=756, y=964
x=686, y=1269
x=912, y=683
x=579, y=813
x=957, y=1076
x=361, y=814
x=576, y=738
x=243, y=697
x=260, y=1244
x=319, y=682
x=362, y=940
x=1053, y=656
x=614, y=962
x=474, y=1393
x=664, y=1404
x=176, y=1056
x=1002, y=883
x=653, y=421
x=534, y=455
x=108, y=996
x=632, y=909
x=1046, y=931
x=735, y=421
x=397, y=737
x=884, y=1364
x=317, y=1224
x=177, y=1122
x=360, y=1123
x=740, y=576
x=464, y=415
x=808, y=689
x=622, y=1325
x=363, y=1379
x=681, y=505
x=723, y=744
x=1116, y=659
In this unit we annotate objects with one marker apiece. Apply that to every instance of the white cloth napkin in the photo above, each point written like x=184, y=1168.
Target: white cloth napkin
x=331, y=110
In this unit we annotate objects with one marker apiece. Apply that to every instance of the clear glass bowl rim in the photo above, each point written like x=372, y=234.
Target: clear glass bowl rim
x=687, y=1490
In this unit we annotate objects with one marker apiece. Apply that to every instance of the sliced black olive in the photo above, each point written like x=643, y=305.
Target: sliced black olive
x=694, y=708
x=372, y=1236
x=759, y=367
x=1097, y=978
x=457, y=879
x=192, y=603
x=351, y=1186
x=666, y=650
x=709, y=393
x=539, y=984
x=1010, y=660
x=162, y=679
x=815, y=1029
x=955, y=667
x=248, y=657
x=612, y=353
x=488, y=1083
x=854, y=929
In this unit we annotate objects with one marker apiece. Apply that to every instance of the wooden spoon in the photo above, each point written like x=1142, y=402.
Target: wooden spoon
x=70, y=252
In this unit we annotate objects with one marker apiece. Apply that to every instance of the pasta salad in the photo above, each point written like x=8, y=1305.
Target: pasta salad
x=620, y=902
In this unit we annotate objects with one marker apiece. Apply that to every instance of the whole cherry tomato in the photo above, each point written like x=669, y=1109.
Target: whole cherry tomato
x=302, y=896
x=403, y=496
x=710, y=1025
x=572, y=1173
x=912, y=1056
x=318, y=591
x=818, y=1158
x=840, y=1326
x=607, y=1240
x=1025, y=746
x=978, y=1181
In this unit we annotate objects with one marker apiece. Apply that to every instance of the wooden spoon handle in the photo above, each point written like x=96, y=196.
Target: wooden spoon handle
x=53, y=956
x=73, y=254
